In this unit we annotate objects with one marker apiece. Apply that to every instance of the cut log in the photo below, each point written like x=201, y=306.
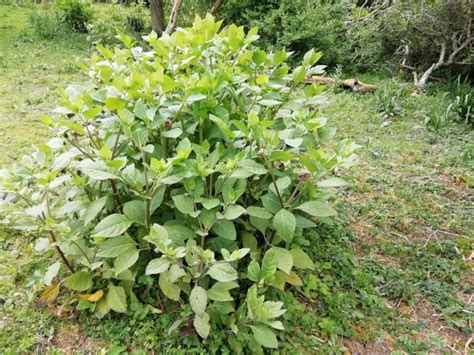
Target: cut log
x=349, y=84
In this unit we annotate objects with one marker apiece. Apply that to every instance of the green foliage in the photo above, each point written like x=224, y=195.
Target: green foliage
x=390, y=98
x=187, y=170
x=45, y=25
x=412, y=32
x=133, y=20
x=297, y=25
x=75, y=14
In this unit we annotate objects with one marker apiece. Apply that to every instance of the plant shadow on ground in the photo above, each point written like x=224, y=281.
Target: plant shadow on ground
x=392, y=274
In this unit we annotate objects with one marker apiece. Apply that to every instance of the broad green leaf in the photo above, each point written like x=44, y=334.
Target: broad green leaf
x=332, y=182
x=284, y=223
x=157, y=266
x=51, y=273
x=209, y=204
x=253, y=271
x=299, y=74
x=233, y=211
x=220, y=291
x=301, y=260
x=97, y=170
x=102, y=308
x=281, y=155
x=282, y=184
x=111, y=226
x=184, y=204
x=269, y=102
x=79, y=281
x=201, y=324
x=262, y=79
x=157, y=199
x=135, y=211
x=223, y=272
x=264, y=336
x=115, y=103
x=249, y=241
x=116, y=299
x=198, y=300
x=271, y=202
x=279, y=280
x=284, y=259
x=126, y=259
x=269, y=264
x=317, y=209
x=259, y=212
x=238, y=254
x=169, y=289
x=93, y=209
x=115, y=246
x=172, y=133
x=105, y=152
x=225, y=229
x=294, y=279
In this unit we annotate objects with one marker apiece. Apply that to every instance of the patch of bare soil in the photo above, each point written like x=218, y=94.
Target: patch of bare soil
x=357, y=348
x=70, y=340
x=456, y=341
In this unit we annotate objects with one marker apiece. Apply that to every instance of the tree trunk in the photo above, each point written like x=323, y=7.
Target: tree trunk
x=173, y=17
x=157, y=20
x=215, y=6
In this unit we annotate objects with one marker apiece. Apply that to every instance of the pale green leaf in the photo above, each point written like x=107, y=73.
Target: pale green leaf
x=115, y=246
x=317, y=209
x=126, y=259
x=233, y=211
x=258, y=212
x=157, y=266
x=169, y=289
x=116, y=299
x=201, y=324
x=93, y=209
x=225, y=229
x=79, y=281
x=223, y=272
x=264, y=336
x=284, y=259
x=184, y=204
x=284, y=223
x=198, y=300
x=111, y=226
x=301, y=260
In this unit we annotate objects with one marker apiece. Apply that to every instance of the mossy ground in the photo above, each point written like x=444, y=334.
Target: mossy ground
x=393, y=275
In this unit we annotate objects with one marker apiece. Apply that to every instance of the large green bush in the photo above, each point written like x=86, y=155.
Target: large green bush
x=194, y=170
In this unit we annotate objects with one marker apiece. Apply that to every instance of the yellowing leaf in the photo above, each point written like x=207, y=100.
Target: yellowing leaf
x=94, y=297
x=294, y=279
x=49, y=294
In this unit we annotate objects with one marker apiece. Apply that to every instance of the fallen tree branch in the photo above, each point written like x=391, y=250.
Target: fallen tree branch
x=348, y=84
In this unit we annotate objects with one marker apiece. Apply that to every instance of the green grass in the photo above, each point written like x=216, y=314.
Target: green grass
x=32, y=74
x=393, y=273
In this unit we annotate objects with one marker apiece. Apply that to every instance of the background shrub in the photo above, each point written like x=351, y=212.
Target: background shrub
x=296, y=25
x=75, y=14
x=45, y=25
